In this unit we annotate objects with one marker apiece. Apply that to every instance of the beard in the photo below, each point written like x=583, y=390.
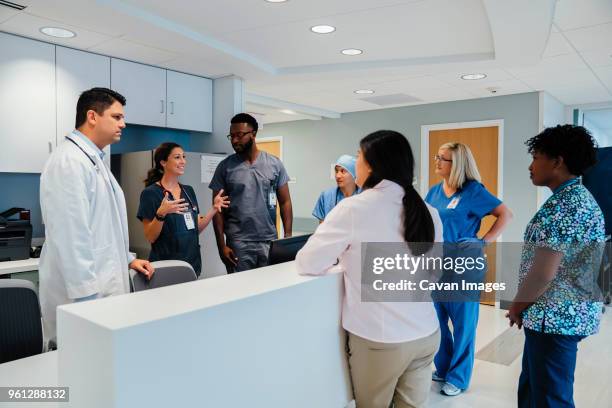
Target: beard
x=243, y=148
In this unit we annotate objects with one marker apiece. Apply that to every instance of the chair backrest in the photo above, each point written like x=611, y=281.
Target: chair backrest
x=20, y=325
x=166, y=273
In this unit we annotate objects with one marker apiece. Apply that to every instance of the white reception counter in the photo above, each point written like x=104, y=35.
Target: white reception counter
x=262, y=338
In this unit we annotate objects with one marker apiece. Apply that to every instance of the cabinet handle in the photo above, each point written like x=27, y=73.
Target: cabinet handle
x=162, y=106
x=50, y=147
x=172, y=108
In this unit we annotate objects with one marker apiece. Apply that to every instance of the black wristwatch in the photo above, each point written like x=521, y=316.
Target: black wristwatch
x=159, y=217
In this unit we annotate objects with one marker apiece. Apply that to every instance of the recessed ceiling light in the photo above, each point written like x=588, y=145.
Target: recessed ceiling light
x=323, y=29
x=351, y=51
x=472, y=77
x=57, y=32
x=364, y=91
x=276, y=1
x=288, y=111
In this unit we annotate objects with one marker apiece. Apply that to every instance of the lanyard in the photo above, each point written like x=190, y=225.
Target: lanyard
x=183, y=191
x=84, y=152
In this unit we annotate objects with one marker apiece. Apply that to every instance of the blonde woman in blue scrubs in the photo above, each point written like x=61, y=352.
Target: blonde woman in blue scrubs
x=462, y=202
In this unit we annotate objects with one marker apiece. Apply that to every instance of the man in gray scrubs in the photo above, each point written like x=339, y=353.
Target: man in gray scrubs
x=254, y=181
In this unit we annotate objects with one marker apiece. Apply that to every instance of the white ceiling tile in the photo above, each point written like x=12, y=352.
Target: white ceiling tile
x=605, y=74
x=579, y=96
x=29, y=26
x=592, y=38
x=596, y=59
x=6, y=13
x=493, y=75
x=551, y=65
x=561, y=79
x=292, y=44
x=509, y=87
x=570, y=14
x=132, y=51
x=557, y=45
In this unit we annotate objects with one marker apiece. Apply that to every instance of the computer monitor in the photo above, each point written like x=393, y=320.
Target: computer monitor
x=284, y=250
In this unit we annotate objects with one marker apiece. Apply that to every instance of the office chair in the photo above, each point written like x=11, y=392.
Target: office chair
x=20, y=325
x=166, y=273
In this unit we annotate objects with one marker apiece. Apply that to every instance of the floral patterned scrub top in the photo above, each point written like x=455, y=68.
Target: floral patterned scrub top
x=571, y=222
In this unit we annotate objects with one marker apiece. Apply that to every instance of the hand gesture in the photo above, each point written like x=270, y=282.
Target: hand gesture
x=168, y=206
x=221, y=201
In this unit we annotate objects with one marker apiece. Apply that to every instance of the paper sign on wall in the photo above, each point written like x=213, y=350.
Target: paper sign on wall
x=208, y=166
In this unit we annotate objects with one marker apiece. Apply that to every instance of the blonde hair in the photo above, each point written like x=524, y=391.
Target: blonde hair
x=464, y=166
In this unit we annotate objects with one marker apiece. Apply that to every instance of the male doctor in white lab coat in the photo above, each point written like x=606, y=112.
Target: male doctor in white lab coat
x=85, y=255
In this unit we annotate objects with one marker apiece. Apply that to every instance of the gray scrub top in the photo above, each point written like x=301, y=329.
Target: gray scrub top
x=251, y=215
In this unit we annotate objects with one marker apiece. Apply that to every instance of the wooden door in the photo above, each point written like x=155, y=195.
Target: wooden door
x=272, y=147
x=484, y=144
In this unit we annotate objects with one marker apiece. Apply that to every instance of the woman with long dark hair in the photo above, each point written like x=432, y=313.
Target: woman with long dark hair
x=391, y=344
x=169, y=210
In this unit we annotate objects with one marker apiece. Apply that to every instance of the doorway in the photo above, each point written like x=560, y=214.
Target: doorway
x=273, y=146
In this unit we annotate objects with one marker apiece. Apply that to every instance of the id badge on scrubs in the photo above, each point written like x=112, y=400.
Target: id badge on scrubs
x=272, y=199
x=453, y=204
x=189, y=220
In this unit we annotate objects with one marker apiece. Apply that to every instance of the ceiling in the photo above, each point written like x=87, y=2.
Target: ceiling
x=414, y=50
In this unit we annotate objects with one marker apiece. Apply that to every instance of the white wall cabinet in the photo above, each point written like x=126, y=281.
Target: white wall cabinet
x=144, y=87
x=27, y=98
x=77, y=71
x=189, y=102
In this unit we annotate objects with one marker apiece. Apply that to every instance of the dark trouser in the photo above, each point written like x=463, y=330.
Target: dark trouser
x=547, y=378
x=250, y=254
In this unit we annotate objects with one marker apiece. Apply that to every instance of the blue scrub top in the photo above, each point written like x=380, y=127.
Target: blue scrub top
x=175, y=241
x=328, y=200
x=471, y=203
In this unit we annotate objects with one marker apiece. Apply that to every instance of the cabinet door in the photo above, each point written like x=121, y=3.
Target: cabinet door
x=77, y=71
x=189, y=102
x=27, y=98
x=144, y=87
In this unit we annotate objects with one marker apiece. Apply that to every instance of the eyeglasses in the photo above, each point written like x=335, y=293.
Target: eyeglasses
x=238, y=135
x=437, y=157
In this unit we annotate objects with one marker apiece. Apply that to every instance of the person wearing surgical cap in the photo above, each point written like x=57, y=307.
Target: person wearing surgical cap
x=345, y=187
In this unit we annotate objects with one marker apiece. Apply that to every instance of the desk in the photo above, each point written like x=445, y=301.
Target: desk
x=40, y=370
x=24, y=265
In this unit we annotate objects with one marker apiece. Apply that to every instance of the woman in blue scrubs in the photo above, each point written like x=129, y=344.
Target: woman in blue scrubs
x=169, y=210
x=462, y=202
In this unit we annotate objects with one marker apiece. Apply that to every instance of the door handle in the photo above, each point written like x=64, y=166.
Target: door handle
x=162, y=106
x=172, y=108
x=50, y=147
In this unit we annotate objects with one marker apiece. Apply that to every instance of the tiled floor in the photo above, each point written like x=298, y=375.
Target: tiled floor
x=495, y=385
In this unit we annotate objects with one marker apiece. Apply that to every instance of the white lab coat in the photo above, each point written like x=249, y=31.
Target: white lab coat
x=86, y=246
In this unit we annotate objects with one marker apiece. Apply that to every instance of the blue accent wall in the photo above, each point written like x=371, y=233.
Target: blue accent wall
x=23, y=189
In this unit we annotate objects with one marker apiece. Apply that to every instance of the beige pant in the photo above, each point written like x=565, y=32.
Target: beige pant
x=398, y=372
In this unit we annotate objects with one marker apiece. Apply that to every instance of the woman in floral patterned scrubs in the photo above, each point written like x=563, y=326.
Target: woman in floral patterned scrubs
x=556, y=301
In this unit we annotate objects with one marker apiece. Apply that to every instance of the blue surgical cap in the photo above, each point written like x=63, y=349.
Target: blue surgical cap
x=348, y=162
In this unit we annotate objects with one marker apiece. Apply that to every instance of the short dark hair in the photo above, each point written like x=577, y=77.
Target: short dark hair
x=245, y=118
x=574, y=143
x=98, y=100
